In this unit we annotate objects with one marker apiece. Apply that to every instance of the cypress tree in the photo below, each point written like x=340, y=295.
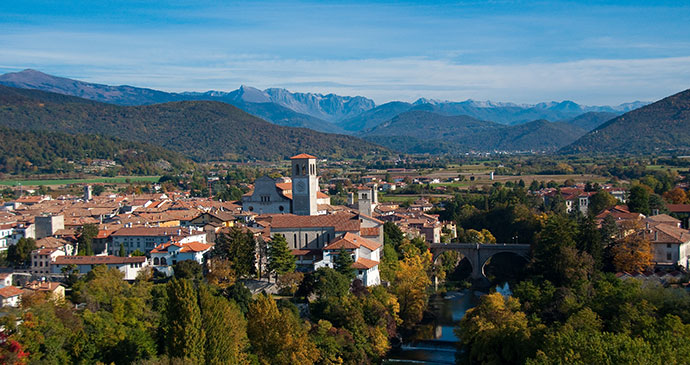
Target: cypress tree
x=343, y=264
x=186, y=336
x=225, y=328
x=280, y=260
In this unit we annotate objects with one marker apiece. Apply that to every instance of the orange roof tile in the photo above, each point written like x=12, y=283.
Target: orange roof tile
x=302, y=156
x=363, y=263
x=352, y=241
x=10, y=291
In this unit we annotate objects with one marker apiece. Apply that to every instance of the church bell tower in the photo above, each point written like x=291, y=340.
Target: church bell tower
x=305, y=184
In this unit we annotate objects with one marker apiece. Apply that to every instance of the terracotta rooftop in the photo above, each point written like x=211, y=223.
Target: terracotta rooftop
x=10, y=291
x=363, y=263
x=352, y=241
x=154, y=231
x=341, y=222
x=302, y=156
x=184, y=247
x=98, y=260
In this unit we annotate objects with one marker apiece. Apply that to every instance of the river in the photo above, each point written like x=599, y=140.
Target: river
x=436, y=343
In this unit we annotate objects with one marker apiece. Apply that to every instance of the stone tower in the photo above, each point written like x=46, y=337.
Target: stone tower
x=305, y=184
x=367, y=200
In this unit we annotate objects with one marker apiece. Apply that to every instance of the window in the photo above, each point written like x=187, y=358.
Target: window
x=669, y=256
x=156, y=261
x=306, y=239
x=668, y=245
x=281, y=208
x=164, y=261
x=294, y=240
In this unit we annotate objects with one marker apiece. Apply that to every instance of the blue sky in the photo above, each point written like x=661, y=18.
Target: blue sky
x=521, y=51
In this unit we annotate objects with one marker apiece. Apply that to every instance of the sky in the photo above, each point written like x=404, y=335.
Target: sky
x=591, y=52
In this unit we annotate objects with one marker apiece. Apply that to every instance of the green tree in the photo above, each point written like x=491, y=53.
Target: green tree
x=639, y=199
x=495, y=332
x=183, y=324
x=188, y=269
x=239, y=247
x=343, y=264
x=555, y=256
x=600, y=201
x=328, y=282
x=225, y=328
x=280, y=259
x=122, y=252
x=19, y=254
x=86, y=233
x=589, y=240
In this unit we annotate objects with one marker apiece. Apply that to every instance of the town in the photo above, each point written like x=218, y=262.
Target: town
x=286, y=231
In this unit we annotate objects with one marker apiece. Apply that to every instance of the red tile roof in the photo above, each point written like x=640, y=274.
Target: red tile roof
x=302, y=156
x=341, y=222
x=369, y=231
x=352, y=241
x=363, y=263
x=10, y=291
x=184, y=247
x=98, y=260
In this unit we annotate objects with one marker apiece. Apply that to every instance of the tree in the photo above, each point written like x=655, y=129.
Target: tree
x=589, y=239
x=632, y=253
x=122, y=252
x=676, y=196
x=410, y=286
x=98, y=190
x=225, y=329
x=601, y=201
x=278, y=336
x=343, y=264
x=239, y=247
x=280, y=259
x=187, y=269
x=86, y=233
x=555, y=253
x=183, y=324
x=639, y=199
x=495, y=332
x=220, y=272
x=19, y=254
x=329, y=283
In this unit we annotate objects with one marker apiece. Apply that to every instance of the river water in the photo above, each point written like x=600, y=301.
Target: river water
x=436, y=343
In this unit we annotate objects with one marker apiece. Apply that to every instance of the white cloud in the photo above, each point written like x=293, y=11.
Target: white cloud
x=590, y=81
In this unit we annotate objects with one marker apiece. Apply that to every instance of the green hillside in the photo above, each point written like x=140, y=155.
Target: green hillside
x=425, y=132
x=202, y=130
x=663, y=126
x=51, y=152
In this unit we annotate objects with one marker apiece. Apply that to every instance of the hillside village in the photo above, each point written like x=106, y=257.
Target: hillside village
x=137, y=233
x=140, y=232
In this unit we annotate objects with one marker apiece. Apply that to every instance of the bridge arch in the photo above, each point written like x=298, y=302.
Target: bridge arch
x=478, y=254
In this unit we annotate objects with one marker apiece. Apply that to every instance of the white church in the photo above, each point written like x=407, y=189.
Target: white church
x=298, y=195
x=296, y=209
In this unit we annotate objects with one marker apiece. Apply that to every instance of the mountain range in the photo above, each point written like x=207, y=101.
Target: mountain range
x=201, y=130
x=224, y=125
x=326, y=113
x=661, y=127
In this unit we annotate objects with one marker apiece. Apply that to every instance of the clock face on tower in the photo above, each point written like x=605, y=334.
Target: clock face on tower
x=300, y=186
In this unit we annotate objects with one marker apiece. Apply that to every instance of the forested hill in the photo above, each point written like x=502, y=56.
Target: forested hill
x=52, y=152
x=425, y=132
x=658, y=127
x=202, y=130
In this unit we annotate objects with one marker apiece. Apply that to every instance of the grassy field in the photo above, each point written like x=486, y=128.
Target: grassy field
x=94, y=180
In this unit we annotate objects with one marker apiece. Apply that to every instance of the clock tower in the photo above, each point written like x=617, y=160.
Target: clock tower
x=305, y=184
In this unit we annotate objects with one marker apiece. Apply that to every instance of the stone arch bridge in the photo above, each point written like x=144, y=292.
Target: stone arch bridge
x=479, y=253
